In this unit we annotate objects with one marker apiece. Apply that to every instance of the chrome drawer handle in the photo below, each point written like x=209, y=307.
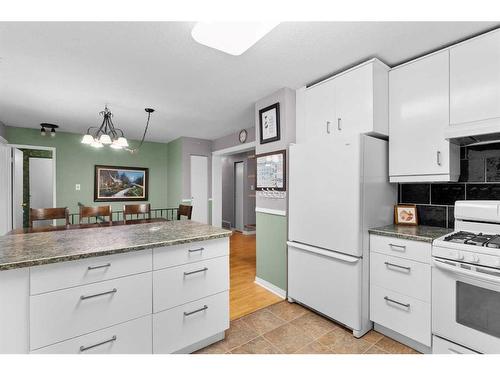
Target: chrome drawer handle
x=339, y=125
x=205, y=307
x=195, y=250
x=85, y=348
x=407, y=305
x=90, y=268
x=397, y=266
x=403, y=248
x=99, y=294
x=197, y=271
x=328, y=127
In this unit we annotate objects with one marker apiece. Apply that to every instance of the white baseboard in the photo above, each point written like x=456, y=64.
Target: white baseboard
x=419, y=347
x=271, y=287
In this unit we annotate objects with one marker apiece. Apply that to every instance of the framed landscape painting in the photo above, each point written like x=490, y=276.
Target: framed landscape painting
x=120, y=184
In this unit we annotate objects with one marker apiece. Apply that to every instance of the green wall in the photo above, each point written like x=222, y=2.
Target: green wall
x=75, y=165
x=271, y=249
x=174, y=168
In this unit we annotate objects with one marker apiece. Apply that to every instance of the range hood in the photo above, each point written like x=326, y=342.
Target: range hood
x=471, y=133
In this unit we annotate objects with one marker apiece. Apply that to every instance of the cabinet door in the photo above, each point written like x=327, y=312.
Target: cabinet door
x=475, y=79
x=319, y=111
x=354, y=101
x=418, y=117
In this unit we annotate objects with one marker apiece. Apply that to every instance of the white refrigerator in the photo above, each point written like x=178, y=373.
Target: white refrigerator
x=338, y=189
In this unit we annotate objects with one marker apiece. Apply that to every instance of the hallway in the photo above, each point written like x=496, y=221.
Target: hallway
x=245, y=295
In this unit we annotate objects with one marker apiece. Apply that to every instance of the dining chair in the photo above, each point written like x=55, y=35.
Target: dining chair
x=99, y=211
x=136, y=209
x=184, y=210
x=37, y=214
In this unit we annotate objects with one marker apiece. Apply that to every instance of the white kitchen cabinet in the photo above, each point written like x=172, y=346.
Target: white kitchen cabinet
x=319, y=110
x=475, y=85
x=418, y=118
x=400, y=289
x=351, y=102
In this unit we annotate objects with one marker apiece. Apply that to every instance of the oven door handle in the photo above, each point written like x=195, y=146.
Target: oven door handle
x=474, y=274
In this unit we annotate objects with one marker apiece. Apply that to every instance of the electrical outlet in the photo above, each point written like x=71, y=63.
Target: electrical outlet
x=77, y=187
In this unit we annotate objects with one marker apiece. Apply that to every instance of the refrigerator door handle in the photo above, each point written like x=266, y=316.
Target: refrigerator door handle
x=326, y=253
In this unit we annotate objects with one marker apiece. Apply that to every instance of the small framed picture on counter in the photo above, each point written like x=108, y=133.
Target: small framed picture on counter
x=405, y=214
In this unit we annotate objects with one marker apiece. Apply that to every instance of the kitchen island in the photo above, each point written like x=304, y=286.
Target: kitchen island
x=145, y=288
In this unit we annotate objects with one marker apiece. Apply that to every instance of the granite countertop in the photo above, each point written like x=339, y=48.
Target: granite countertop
x=416, y=233
x=33, y=249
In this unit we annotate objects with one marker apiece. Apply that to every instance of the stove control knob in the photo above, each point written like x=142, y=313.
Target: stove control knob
x=497, y=263
x=473, y=258
x=457, y=255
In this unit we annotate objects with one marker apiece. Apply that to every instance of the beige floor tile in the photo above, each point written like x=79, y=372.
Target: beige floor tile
x=314, y=325
x=263, y=321
x=394, y=347
x=258, y=345
x=376, y=350
x=342, y=342
x=373, y=336
x=238, y=334
x=314, y=348
x=288, y=338
x=287, y=311
x=216, y=348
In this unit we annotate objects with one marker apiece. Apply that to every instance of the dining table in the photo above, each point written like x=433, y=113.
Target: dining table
x=104, y=224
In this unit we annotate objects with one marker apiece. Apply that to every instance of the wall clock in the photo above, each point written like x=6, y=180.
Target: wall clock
x=243, y=136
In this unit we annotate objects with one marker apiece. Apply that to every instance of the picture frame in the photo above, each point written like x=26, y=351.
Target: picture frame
x=269, y=123
x=271, y=171
x=120, y=184
x=405, y=214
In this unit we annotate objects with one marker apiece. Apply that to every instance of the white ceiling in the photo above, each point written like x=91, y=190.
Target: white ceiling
x=64, y=73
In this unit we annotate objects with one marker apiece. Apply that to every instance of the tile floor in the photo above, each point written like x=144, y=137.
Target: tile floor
x=286, y=328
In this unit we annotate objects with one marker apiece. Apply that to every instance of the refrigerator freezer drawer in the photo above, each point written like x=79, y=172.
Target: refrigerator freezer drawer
x=328, y=282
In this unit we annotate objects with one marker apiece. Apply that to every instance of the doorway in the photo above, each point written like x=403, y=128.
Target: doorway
x=33, y=182
x=233, y=199
x=199, y=188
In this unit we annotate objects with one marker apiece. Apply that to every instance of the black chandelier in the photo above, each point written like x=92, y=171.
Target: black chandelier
x=108, y=134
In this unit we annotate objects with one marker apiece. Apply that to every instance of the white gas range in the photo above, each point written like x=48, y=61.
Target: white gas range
x=466, y=281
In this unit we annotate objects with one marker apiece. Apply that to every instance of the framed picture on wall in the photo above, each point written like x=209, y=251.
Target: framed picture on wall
x=120, y=183
x=269, y=123
x=271, y=171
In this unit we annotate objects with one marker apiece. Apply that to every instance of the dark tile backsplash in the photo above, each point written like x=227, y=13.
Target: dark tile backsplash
x=479, y=179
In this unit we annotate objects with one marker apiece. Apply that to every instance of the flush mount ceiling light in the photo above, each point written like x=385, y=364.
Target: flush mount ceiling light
x=45, y=126
x=231, y=37
x=107, y=134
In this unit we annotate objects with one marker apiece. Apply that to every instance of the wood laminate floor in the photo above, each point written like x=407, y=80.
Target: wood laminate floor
x=246, y=296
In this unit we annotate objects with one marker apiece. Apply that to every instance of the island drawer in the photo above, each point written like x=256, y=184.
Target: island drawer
x=401, y=275
x=57, y=276
x=414, y=250
x=170, y=256
x=175, y=286
x=133, y=337
x=67, y=313
x=406, y=315
x=184, y=325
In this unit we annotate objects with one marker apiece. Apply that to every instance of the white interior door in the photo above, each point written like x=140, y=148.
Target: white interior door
x=238, y=194
x=325, y=193
x=199, y=188
x=17, y=188
x=5, y=190
x=41, y=180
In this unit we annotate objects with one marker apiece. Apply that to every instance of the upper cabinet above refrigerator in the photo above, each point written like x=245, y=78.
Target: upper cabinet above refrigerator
x=475, y=88
x=352, y=102
x=418, y=118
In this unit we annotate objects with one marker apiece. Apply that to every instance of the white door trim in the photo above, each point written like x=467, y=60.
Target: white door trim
x=235, y=149
x=270, y=211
